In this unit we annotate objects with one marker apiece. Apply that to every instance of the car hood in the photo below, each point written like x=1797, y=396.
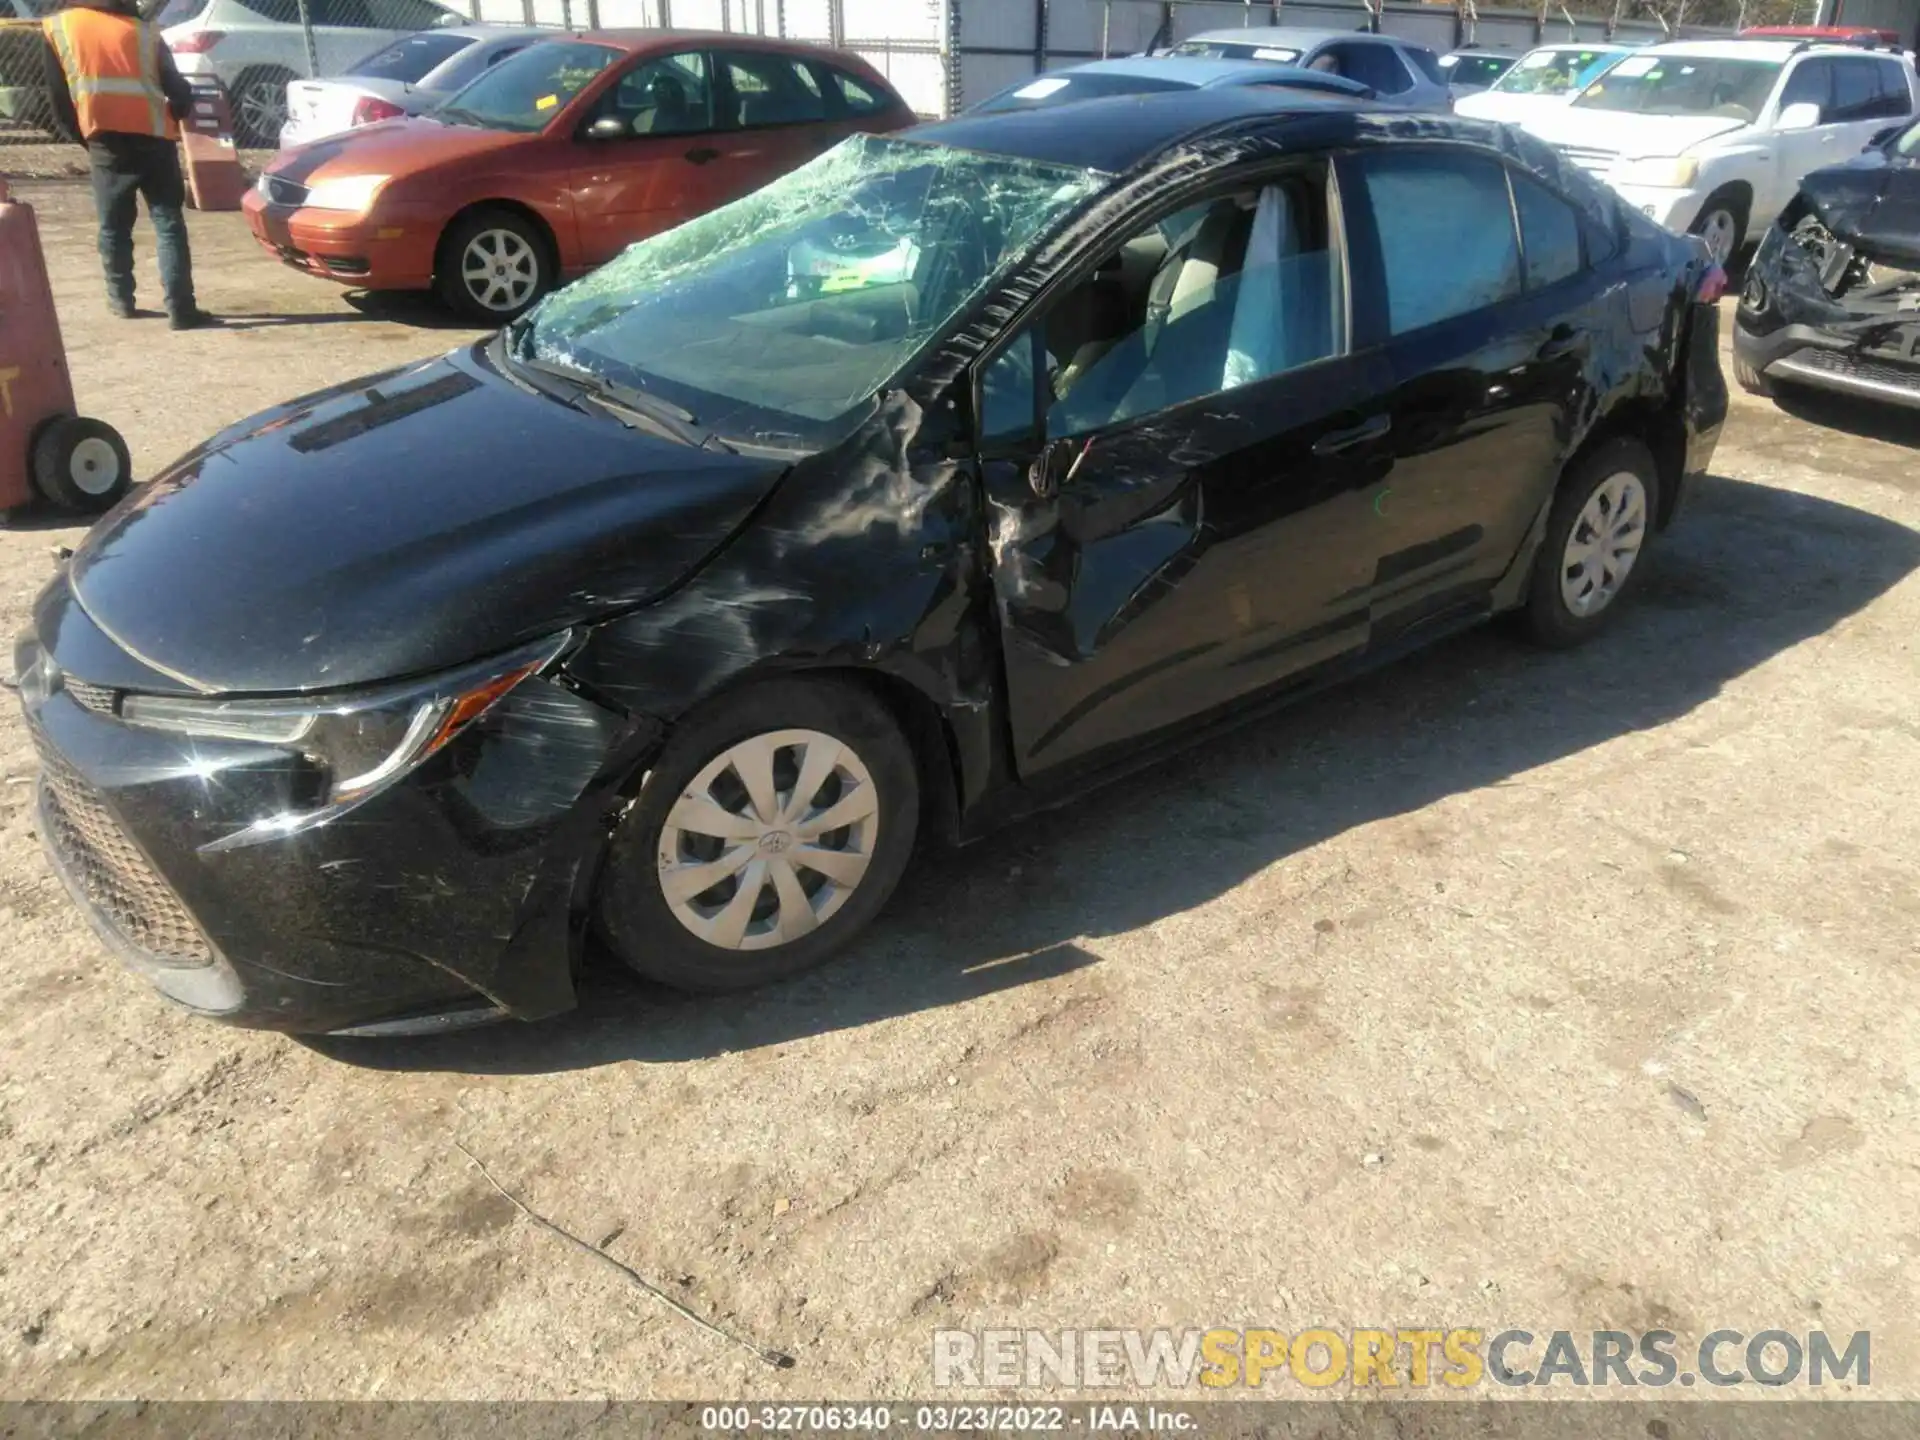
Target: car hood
x=400, y=524
x=1872, y=202
x=389, y=147
x=1499, y=105
x=1628, y=135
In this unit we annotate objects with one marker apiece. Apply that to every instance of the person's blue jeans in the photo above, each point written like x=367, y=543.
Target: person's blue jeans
x=125, y=169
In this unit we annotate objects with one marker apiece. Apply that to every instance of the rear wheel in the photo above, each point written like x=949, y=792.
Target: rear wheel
x=493, y=265
x=772, y=829
x=1593, y=547
x=260, y=107
x=81, y=465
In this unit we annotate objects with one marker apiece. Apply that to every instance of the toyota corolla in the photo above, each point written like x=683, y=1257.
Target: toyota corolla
x=682, y=609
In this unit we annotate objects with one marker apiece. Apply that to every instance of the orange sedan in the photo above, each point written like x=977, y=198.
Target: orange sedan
x=558, y=158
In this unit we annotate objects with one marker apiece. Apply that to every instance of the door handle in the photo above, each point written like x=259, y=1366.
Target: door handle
x=1055, y=465
x=1565, y=340
x=1336, y=442
x=701, y=154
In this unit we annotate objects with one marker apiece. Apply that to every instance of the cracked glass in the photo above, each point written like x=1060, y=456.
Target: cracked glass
x=794, y=306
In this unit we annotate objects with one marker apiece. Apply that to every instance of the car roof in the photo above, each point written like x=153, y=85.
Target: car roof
x=637, y=40
x=1490, y=52
x=1738, y=49
x=1195, y=70
x=493, y=32
x=1284, y=37
x=1116, y=133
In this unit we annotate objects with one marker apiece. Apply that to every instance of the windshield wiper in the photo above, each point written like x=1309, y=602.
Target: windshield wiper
x=636, y=408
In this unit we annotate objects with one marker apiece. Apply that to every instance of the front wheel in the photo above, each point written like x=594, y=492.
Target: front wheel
x=1593, y=550
x=493, y=266
x=1722, y=223
x=772, y=829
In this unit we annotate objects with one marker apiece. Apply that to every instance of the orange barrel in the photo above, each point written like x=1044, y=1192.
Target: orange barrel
x=214, y=178
x=45, y=449
x=34, y=385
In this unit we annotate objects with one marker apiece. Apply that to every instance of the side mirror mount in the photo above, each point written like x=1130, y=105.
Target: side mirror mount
x=608, y=127
x=1803, y=116
x=1881, y=137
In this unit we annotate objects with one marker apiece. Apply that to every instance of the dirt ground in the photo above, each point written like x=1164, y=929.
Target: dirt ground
x=1505, y=988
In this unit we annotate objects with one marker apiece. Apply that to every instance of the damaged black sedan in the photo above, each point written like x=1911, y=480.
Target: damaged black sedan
x=951, y=474
x=1832, y=298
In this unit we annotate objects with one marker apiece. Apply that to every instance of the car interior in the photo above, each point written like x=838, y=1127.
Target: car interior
x=1206, y=299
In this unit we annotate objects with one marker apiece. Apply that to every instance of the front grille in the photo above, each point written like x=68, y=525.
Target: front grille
x=109, y=868
x=282, y=192
x=1593, y=161
x=1860, y=367
x=97, y=698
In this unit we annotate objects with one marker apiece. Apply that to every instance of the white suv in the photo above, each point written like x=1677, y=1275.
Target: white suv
x=1713, y=137
x=254, y=47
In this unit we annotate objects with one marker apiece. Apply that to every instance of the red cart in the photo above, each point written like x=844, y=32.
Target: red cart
x=46, y=450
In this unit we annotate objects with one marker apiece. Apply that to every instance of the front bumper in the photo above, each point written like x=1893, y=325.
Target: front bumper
x=1807, y=355
x=1789, y=328
x=458, y=895
x=356, y=250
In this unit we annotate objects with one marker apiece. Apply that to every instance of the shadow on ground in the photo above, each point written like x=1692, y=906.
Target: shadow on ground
x=1751, y=571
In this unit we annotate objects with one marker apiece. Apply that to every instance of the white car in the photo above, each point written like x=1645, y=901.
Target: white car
x=254, y=47
x=1713, y=137
x=408, y=77
x=1542, y=79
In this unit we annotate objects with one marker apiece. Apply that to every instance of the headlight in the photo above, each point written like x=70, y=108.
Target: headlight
x=1667, y=172
x=363, y=741
x=351, y=194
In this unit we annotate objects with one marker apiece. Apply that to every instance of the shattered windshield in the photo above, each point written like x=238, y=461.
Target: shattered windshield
x=793, y=306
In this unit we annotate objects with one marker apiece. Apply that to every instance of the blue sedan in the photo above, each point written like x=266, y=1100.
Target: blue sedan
x=1145, y=74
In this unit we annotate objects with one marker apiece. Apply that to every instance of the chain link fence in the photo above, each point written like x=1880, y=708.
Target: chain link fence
x=940, y=54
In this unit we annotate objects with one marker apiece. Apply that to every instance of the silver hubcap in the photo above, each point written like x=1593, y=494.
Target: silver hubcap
x=1605, y=542
x=1718, y=231
x=500, y=269
x=769, y=840
x=93, y=467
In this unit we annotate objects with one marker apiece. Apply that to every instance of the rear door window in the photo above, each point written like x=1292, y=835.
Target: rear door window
x=1424, y=202
x=771, y=90
x=1856, y=90
x=1549, y=233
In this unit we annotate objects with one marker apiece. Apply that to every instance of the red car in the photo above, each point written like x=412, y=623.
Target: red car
x=557, y=159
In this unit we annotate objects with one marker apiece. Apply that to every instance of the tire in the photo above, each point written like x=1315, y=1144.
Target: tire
x=689, y=942
x=1750, y=379
x=260, y=107
x=1724, y=214
x=512, y=256
x=81, y=465
x=1554, y=614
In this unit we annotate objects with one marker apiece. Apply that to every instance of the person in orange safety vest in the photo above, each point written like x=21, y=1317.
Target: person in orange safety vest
x=114, y=82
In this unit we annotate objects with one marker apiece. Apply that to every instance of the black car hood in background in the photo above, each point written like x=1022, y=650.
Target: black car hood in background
x=1873, y=202
x=397, y=525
